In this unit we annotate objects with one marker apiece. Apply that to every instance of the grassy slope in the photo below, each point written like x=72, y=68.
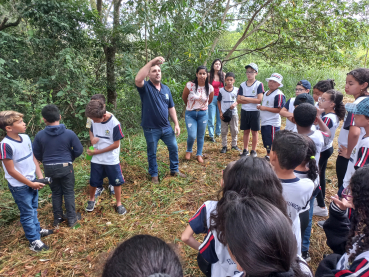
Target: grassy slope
x=161, y=210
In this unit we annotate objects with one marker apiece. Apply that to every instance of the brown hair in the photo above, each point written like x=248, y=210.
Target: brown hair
x=95, y=109
x=7, y=118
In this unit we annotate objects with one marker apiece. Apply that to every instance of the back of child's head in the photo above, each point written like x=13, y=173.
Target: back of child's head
x=230, y=74
x=310, y=161
x=290, y=149
x=325, y=85
x=143, y=256
x=303, y=98
x=260, y=237
x=305, y=115
x=95, y=109
x=359, y=187
x=337, y=98
x=251, y=176
x=99, y=97
x=50, y=113
x=361, y=75
x=7, y=118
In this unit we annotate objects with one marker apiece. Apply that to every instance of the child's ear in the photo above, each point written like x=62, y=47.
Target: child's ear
x=273, y=158
x=45, y=121
x=315, y=121
x=59, y=117
x=293, y=120
x=8, y=128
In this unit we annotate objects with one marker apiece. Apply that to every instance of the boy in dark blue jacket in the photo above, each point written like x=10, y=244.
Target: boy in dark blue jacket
x=57, y=147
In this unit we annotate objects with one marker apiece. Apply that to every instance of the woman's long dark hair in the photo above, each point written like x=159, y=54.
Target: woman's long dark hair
x=309, y=161
x=142, y=256
x=220, y=72
x=249, y=176
x=337, y=97
x=259, y=236
x=206, y=81
x=359, y=232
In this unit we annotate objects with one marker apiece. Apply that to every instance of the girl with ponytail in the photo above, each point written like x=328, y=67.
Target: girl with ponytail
x=308, y=169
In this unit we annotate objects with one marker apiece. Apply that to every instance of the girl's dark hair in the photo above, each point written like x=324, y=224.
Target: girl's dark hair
x=259, y=236
x=249, y=176
x=359, y=232
x=142, y=256
x=325, y=85
x=361, y=75
x=337, y=97
x=310, y=163
x=220, y=72
x=206, y=81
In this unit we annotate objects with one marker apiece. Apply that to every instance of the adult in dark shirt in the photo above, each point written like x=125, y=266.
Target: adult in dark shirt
x=157, y=105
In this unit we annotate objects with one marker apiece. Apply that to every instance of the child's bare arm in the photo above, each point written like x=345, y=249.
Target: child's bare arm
x=268, y=109
x=284, y=112
x=93, y=139
x=187, y=238
x=112, y=146
x=38, y=169
x=9, y=165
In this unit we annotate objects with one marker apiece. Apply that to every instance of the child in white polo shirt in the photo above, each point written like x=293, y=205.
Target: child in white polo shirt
x=273, y=102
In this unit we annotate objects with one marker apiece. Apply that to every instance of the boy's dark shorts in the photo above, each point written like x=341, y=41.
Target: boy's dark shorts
x=267, y=134
x=100, y=171
x=250, y=120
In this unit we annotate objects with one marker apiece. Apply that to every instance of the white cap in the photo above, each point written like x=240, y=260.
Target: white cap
x=276, y=77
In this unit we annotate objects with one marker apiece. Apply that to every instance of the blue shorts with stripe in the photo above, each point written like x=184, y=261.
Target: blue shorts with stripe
x=100, y=171
x=267, y=134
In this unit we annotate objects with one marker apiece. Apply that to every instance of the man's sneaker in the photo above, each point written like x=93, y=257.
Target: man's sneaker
x=244, y=153
x=111, y=190
x=224, y=150
x=236, y=148
x=319, y=211
x=99, y=191
x=267, y=158
x=90, y=206
x=57, y=221
x=321, y=223
x=38, y=245
x=121, y=210
x=253, y=153
x=46, y=232
x=212, y=139
x=74, y=222
x=306, y=256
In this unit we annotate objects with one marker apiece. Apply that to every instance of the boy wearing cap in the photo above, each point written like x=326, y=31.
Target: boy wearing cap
x=272, y=103
x=250, y=94
x=360, y=154
x=302, y=86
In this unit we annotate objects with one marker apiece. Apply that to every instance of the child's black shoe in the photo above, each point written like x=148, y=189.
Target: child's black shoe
x=224, y=150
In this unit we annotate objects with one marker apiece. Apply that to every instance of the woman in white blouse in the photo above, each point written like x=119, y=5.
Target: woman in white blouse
x=197, y=95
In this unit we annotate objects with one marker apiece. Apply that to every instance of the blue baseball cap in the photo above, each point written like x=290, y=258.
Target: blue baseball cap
x=305, y=83
x=361, y=107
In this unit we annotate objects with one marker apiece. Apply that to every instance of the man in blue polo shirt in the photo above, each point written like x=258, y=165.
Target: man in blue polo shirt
x=157, y=104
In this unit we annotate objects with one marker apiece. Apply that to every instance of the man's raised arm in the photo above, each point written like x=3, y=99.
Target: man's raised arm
x=142, y=74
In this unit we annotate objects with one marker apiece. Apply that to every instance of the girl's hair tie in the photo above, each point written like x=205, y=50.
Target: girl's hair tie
x=312, y=157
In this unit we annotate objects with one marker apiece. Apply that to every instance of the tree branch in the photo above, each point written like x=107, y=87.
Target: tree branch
x=207, y=11
x=3, y=24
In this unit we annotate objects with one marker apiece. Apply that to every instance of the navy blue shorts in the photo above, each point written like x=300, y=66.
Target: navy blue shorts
x=100, y=171
x=267, y=134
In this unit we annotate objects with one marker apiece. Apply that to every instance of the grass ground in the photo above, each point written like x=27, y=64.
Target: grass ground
x=161, y=210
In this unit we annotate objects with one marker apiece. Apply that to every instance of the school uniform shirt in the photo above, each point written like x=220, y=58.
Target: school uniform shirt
x=297, y=193
x=290, y=126
x=359, y=157
x=108, y=132
x=317, y=188
x=274, y=100
x=332, y=121
x=211, y=249
x=250, y=91
x=347, y=123
x=22, y=155
x=359, y=267
x=227, y=98
x=321, y=140
x=197, y=99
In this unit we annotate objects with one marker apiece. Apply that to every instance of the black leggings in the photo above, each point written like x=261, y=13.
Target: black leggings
x=323, y=160
x=304, y=221
x=341, y=168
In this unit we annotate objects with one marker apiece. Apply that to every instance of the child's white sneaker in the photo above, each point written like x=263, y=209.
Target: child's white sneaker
x=38, y=245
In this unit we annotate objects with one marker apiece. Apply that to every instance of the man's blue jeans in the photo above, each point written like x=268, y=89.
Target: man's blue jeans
x=306, y=238
x=169, y=138
x=26, y=199
x=196, y=127
x=213, y=112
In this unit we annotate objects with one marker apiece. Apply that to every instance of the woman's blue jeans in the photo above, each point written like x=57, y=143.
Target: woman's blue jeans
x=214, y=112
x=196, y=125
